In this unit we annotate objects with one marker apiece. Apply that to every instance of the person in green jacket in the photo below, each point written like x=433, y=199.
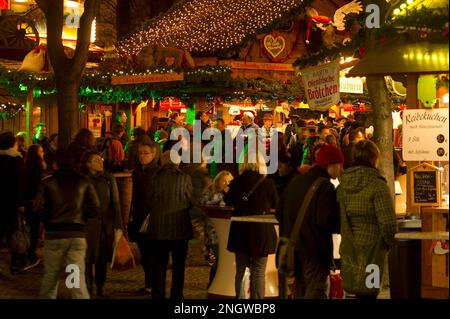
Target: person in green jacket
x=368, y=222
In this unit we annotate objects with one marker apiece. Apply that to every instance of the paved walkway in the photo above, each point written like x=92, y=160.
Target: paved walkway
x=119, y=284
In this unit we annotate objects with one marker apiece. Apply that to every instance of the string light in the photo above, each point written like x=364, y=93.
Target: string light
x=200, y=26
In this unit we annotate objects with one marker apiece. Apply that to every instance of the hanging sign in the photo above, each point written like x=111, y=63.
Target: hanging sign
x=351, y=85
x=274, y=45
x=95, y=124
x=425, y=135
x=322, y=86
x=147, y=78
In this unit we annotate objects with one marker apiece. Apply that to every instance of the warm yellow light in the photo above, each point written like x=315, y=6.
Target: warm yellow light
x=445, y=98
x=419, y=56
x=72, y=4
x=397, y=11
x=403, y=6
x=434, y=57
x=411, y=55
x=409, y=1
x=427, y=56
x=20, y=1
x=94, y=31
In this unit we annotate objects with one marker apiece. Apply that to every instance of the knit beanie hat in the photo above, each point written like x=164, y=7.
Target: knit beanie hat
x=329, y=155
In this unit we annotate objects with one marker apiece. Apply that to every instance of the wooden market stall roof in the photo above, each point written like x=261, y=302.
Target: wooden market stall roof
x=423, y=57
x=208, y=26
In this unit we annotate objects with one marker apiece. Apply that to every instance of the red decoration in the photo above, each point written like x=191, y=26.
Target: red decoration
x=4, y=5
x=170, y=103
x=362, y=52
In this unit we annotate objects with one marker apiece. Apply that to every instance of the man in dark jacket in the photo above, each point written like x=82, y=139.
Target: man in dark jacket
x=314, y=248
x=170, y=227
x=64, y=202
x=12, y=180
x=145, y=169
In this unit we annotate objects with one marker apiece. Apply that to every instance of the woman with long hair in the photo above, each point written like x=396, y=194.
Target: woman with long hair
x=251, y=193
x=35, y=168
x=101, y=229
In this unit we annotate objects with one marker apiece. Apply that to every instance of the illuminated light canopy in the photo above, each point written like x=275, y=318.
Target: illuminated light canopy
x=207, y=25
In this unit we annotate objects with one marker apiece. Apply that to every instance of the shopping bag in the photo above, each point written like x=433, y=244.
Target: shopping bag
x=336, y=290
x=123, y=258
x=20, y=239
x=244, y=292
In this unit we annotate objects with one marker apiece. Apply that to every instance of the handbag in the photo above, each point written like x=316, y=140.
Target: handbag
x=354, y=261
x=285, y=252
x=20, y=239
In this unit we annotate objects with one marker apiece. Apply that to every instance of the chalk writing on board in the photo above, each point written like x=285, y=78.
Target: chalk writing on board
x=425, y=187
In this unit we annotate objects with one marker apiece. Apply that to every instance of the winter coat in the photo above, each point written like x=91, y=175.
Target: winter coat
x=12, y=181
x=100, y=229
x=170, y=197
x=254, y=239
x=141, y=203
x=65, y=201
x=321, y=219
x=367, y=212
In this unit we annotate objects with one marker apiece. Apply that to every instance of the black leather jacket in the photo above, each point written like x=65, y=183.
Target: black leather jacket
x=65, y=201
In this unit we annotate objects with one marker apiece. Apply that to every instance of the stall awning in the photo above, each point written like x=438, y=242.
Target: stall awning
x=403, y=58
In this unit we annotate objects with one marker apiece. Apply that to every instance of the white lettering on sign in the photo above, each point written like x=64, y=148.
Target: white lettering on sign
x=351, y=85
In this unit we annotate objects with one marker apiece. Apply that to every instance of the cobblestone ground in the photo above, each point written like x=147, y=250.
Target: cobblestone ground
x=119, y=284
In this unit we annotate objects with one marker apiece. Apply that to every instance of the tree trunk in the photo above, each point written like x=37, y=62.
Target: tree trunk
x=68, y=71
x=383, y=134
x=68, y=114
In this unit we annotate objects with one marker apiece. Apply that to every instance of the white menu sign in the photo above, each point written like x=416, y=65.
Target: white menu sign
x=425, y=135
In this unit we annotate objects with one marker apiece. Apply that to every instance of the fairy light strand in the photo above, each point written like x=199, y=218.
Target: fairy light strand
x=201, y=26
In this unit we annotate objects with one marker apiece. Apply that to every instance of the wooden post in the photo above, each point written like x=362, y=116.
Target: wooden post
x=29, y=108
x=411, y=102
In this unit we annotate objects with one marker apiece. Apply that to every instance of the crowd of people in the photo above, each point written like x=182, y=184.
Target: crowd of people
x=73, y=193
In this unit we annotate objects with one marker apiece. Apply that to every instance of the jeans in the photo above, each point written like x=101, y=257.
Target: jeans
x=160, y=250
x=257, y=267
x=58, y=254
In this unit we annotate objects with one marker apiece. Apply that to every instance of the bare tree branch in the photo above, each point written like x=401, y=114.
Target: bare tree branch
x=84, y=35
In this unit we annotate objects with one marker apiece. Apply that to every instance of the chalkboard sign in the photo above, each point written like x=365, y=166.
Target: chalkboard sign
x=426, y=187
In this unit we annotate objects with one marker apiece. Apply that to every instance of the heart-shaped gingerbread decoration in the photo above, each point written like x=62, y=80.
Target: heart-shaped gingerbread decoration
x=274, y=45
